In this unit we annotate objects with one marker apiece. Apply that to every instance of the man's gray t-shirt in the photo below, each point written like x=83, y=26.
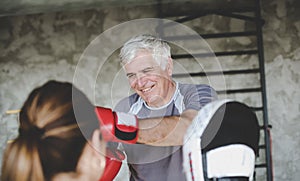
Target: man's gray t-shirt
x=153, y=163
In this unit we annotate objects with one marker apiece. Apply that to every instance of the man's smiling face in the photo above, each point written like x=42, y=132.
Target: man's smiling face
x=149, y=80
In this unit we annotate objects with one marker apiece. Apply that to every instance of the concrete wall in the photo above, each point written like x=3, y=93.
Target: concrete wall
x=282, y=53
x=36, y=48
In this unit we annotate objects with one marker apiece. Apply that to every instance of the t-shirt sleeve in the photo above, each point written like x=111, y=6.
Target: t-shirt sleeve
x=198, y=96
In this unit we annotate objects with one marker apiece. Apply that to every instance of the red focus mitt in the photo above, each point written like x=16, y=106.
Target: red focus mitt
x=117, y=126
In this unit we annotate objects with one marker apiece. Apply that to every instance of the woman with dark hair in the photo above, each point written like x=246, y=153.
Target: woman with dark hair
x=59, y=138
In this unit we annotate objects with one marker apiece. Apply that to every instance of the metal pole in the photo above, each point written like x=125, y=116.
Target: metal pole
x=259, y=36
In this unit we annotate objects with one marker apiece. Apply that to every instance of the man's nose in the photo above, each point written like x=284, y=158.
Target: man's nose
x=141, y=79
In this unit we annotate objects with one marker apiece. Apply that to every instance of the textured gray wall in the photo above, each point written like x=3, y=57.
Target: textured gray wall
x=36, y=48
x=282, y=54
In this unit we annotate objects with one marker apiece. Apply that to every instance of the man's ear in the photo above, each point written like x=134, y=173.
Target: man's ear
x=169, y=67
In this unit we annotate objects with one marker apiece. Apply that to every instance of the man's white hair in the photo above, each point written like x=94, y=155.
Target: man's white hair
x=159, y=49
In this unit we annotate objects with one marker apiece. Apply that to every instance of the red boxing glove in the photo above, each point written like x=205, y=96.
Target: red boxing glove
x=117, y=126
x=113, y=164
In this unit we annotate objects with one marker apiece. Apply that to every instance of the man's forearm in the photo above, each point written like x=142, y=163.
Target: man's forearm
x=165, y=131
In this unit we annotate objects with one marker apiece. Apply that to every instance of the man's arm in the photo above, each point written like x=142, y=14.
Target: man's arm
x=170, y=130
x=160, y=131
x=165, y=131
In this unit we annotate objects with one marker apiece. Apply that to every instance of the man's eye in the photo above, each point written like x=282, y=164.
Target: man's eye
x=130, y=75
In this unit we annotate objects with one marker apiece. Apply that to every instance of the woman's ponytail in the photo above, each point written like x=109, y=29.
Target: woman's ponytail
x=22, y=156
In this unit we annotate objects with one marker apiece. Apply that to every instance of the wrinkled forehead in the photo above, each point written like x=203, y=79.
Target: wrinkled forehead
x=143, y=55
x=142, y=60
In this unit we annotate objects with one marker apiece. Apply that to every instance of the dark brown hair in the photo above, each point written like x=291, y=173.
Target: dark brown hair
x=55, y=121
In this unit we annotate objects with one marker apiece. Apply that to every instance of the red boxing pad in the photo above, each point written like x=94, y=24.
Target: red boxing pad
x=106, y=120
x=113, y=164
x=117, y=126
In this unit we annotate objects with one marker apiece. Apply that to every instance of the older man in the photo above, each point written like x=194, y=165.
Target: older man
x=165, y=108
